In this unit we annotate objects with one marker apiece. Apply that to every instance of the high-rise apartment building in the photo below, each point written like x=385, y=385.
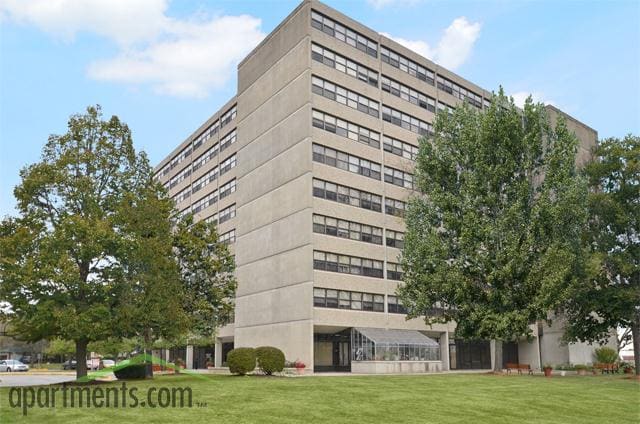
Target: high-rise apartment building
x=306, y=172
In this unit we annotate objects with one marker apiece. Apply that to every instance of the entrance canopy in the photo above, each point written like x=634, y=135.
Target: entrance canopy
x=379, y=344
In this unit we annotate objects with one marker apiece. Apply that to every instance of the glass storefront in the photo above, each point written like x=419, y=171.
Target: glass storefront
x=376, y=344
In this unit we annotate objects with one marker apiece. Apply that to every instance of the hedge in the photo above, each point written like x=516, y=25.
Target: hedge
x=270, y=359
x=131, y=372
x=242, y=360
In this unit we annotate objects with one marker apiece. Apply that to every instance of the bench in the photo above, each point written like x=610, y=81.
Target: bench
x=606, y=368
x=520, y=368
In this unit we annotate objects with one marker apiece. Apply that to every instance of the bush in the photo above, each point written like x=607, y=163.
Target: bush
x=242, y=360
x=131, y=372
x=270, y=359
x=606, y=355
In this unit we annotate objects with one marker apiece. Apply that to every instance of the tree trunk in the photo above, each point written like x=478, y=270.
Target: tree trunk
x=635, y=330
x=81, y=358
x=148, y=369
x=497, y=366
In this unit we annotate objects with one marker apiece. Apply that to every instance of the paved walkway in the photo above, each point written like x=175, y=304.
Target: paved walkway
x=29, y=379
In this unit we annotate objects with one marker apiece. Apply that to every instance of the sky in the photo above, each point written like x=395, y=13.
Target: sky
x=165, y=66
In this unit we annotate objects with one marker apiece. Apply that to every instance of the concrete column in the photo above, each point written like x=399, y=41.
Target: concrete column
x=492, y=347
x=189, y=358
x=217, y=354
x=444, y=351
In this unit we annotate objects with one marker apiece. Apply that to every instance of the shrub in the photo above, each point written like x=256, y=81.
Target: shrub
x=242, y=360
x=131, y=372
x=582, y=367
x=606, y=355
x=270, y=359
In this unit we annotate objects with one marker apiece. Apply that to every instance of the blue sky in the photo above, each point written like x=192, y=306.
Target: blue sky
x=164, y=67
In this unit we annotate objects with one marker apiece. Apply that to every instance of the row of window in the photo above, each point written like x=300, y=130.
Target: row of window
x=211, y=153
x=179, y=177
x=406, y=65
x=347, y=229
x=405, y=121
x=459, y=92
x=205, y=180
x=228, y=237
x=183, y=195
x=346, y=162
x=394, y=207
x=227, y=164
x=400, y=148
x=209, y=132
x=347, y=195
x=399, y=178
x=345, y=264
x=394, y=239
x=394, y=271
x=408, y=94
x=344, y=65
x=395, y=306
x=345, y=129
x=223, y=216
x=227, y=140
x=346, y=97
x=228, y=116
x=344, y=34
x=343, y=299
x=211, y=198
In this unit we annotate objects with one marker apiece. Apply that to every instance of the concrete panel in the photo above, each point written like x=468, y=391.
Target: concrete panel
x=291, y=303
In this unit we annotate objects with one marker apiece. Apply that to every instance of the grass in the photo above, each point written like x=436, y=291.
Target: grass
x=456, y=398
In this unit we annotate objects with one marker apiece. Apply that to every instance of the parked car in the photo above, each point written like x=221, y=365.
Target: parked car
x=93, y=363
x=10, y=365
x=69, y=365
x=107, y=363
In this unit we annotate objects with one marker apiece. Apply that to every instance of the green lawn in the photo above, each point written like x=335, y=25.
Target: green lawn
x=391, y=399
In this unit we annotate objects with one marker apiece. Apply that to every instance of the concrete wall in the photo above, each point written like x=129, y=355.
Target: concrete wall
x=395, y=367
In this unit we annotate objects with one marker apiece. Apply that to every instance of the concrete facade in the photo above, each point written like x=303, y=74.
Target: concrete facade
x=268, y=217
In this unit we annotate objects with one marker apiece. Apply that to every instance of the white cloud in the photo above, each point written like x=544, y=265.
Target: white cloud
x=179, y=57
x=453, y=48
x=520, y=97
x=381, y=4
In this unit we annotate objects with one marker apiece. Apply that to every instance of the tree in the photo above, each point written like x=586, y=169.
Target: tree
x=60, y=347
x=494, y=238
x=65, y=263
x=609, y=296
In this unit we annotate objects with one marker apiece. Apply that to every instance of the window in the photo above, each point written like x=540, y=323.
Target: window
x=185, y=153
x=164, y=171
x=211, y=153
x=347, y=229
x=406, y=65
x=395, y=306
x=344, y=65
x=394, y=239
x=344, y=34
x=343, y=96
x=227, y=189
x=443, y=107
x=183, y=195
x=227, y=213
x=399, y=148
x=394, y=207
x=347, y=195
x=346, y=162
x=399, y=178
x=325, y=261
x=206, y=134
x=394, y=271
x=228, y=116
x=408, y=94
x=405, y=121
x=228, y=164
x=227, y=140
x=328, y=298
x=345, y=129
x=181, y=176
x=205, y=180
x=205, y=202
x=228, y=237
x=459, y=92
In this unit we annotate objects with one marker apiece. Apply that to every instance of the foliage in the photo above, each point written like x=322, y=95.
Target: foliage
x=113, y=347
x=58, y=346
x=582, y=367
x=495, y=237
x=206, y=270
x=270, y=359
x=130, y=372
x=609, y=296
x=606, y=355
x=241, y=360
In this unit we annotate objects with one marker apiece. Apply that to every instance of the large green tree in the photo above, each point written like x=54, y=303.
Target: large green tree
x=494, y=238
x=609, y=296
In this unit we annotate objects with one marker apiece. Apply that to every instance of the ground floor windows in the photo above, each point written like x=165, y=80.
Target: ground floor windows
x=377, y=344
x=469, y=354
